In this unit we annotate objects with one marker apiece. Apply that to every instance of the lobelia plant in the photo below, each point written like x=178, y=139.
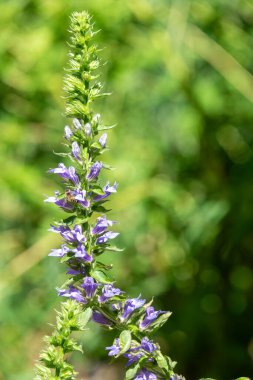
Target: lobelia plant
x=86, y=232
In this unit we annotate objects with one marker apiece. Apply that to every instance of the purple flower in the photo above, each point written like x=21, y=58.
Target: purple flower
x=90, y=286
x=68, y=133
x=74, y=235
x=81, y=253
x=77, y=124
x=94, y=171
x=107, y=191
x=114, y=349
x=72, y=293
x=80, y=197
x=66, y=173
x=100, y=318
x=108, y=235
x=144, y=374
x=71, y=236
x=150, y=317
x=73, y=272
x=130, y=306
x=87, y=129
x=61, y=229
x=148, y=345
x=108, y=292
x=76, y=151
x=134, y=354
x=61, y=202
x=76, y=269
x=102, y=140
x=102, y=224
x=59, y=252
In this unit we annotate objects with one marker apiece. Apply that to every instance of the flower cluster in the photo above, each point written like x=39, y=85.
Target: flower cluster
x=87, y=232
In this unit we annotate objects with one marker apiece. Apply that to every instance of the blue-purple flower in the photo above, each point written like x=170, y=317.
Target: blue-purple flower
x=102, y=140
x=100, y=318
x=94, y=171
x=148, y=345
x=106, y=236
x=130, y=306
x=107, y=191
x=59, y=252
x=72, y=236
x=72, y=293
x=90, y=286
x=81, y=197
x=102, y=224
x=144, y=349
x=66, y=173
x=81, y=253
x=144, y=374
x=150, y=317
x=108, y=292
x=114, y=350
x=77, y=124
x=67, y=132
x=61, y=202
x=87, y=129
x=76, y=151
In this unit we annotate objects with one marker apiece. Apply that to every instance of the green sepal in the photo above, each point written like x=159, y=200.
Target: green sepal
x=96, y=145
x=80, y=220
x=70, y=220
x=161, y=361
x=108, y=167
x=105, y=127
x=97, y=190
x=67, y=283
x=84, y=317
x=62, y=154
x=125, y=341
x=99, y=208
x=101, y=276
x=66, y=257
x=159, y=321
x=114, y=248
x=70, y=345
x=104, y=266
x=132, y=371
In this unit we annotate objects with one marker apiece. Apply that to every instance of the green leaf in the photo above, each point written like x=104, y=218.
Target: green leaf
x=62, y=154
x=161, y=361
x=104, y=266
x=101, y=276
x=125, y=341
x=108, y=167
x=96, y=145
x=105, y=127
x=160, y=321
x=114, y=249
x=69, y=220
x=131, y=372
x=84, y=317
x=97, y=190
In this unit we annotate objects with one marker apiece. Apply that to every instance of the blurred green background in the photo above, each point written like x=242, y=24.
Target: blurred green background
x=182, y=95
